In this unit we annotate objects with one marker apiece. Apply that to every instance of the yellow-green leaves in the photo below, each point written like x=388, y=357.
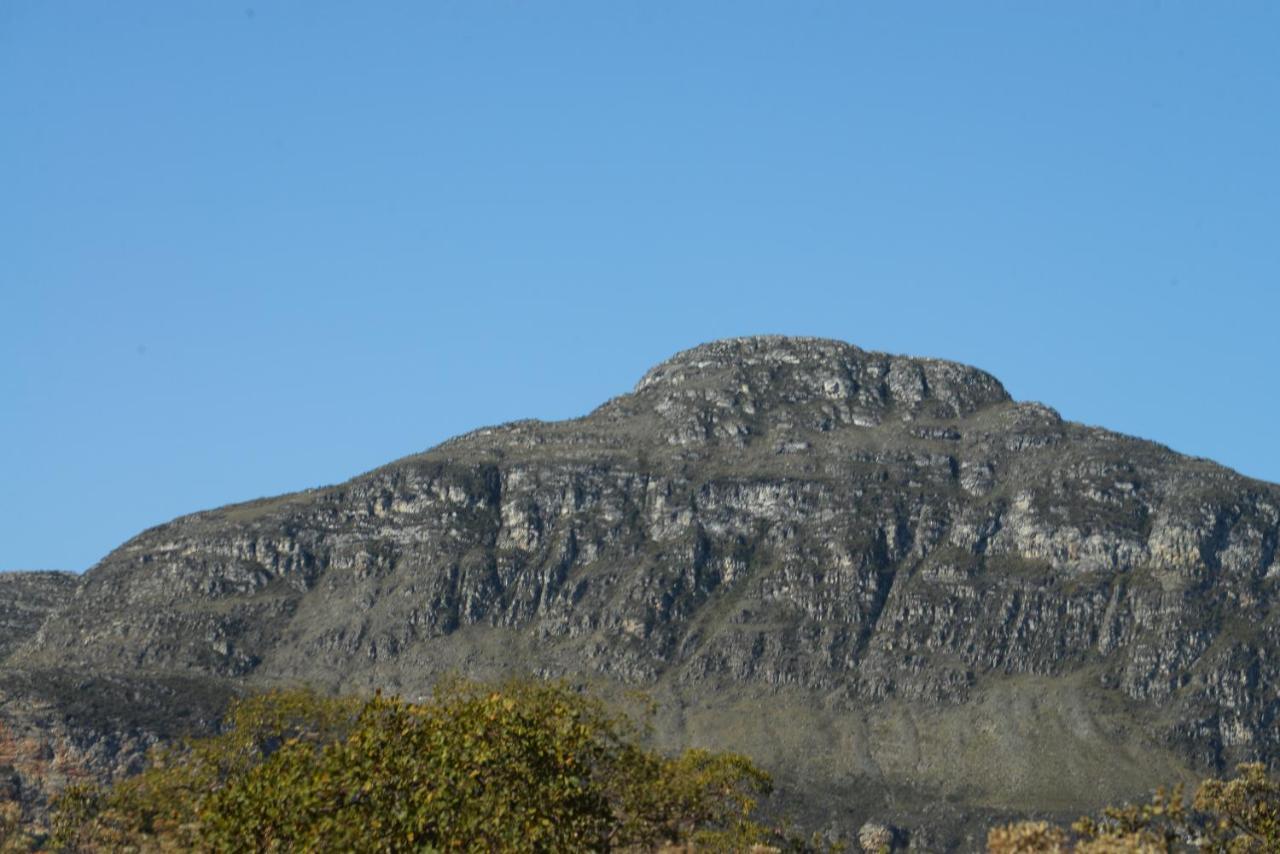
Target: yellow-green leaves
x=1237, y=816
x=524, y=765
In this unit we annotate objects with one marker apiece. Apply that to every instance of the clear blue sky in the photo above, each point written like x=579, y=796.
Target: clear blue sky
x=247, y=248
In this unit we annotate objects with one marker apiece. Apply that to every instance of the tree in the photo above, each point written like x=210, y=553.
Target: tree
x=521, y=765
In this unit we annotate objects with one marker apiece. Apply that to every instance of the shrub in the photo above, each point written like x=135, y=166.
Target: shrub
x=1237, y=816
x=14, y=835
x=522, y=765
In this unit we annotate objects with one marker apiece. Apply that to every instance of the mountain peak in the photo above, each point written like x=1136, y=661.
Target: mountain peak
x=774, y=373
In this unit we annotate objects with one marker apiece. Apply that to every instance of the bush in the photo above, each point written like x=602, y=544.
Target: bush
x=14, y=835
x=523, y=765
x=1237, y=816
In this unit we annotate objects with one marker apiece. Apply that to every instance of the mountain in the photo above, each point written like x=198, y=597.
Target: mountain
x=909, y=596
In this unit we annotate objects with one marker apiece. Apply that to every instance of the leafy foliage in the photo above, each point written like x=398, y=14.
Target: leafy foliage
x=1237, y=816
x=522, y=765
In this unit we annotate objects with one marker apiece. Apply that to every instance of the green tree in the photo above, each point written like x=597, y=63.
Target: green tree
x=523, y=765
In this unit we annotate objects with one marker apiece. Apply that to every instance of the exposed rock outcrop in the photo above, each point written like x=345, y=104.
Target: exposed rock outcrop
x=26, y=598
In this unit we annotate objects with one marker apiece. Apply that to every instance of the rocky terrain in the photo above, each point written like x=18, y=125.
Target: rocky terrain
x=26, y=598
x=910, y=597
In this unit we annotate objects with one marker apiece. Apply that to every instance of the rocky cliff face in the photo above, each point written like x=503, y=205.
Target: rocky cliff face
x=912, y=597
x=60, y=726
x=26, y=598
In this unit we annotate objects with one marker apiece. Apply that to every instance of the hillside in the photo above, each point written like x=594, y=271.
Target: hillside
x=26, y=598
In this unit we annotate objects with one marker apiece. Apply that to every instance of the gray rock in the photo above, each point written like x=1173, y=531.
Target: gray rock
x=875, y=837
x=26, y=598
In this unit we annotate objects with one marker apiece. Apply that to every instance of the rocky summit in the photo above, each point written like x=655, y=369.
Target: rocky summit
x=913, y=599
